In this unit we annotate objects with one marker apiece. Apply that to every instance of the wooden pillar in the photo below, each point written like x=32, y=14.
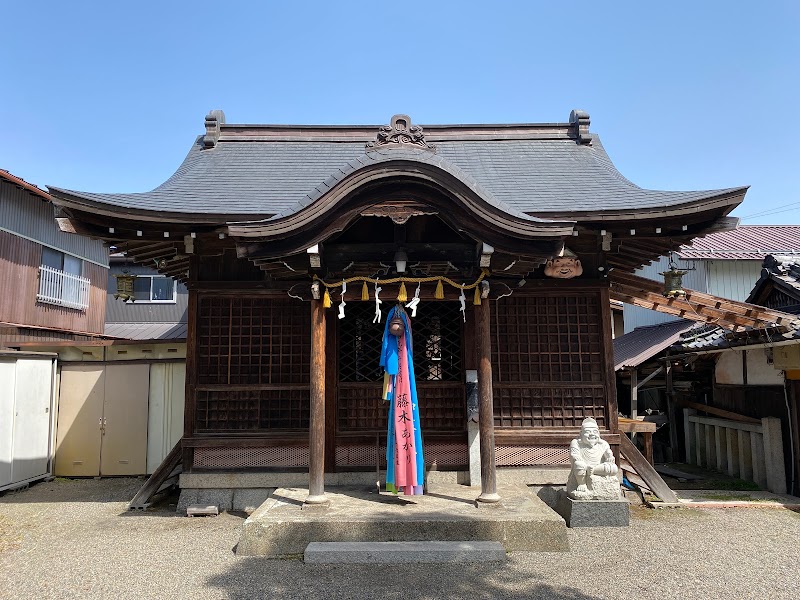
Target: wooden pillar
x=316, y=430
x=486, y=404
x=610, y=378
x=190, y=385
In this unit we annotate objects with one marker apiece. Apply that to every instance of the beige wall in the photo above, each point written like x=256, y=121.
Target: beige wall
x=730, y=369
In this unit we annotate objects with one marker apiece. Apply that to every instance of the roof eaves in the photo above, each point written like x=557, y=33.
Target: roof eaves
x=18, y=181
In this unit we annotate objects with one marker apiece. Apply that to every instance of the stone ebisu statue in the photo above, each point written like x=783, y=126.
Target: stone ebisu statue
x=594, y=472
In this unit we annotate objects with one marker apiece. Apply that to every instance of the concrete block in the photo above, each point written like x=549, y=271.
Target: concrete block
x=281, y=527
x=711, y=447
x=721, y=450
x=221, y=498
x=187, y=498
x=734, y=466
x=404, y=552
x=248, y=499
x=745, y=455
x=773, y=455
x=593, y=513
x=532, y=475
x=757, y=452
x=700, y=439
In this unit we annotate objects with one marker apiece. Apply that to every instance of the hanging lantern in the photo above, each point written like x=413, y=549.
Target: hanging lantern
x=673, y=282
x=124, y=286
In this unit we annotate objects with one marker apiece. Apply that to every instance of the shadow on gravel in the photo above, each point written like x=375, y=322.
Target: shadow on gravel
x=263, y=578
x=107, y=489
x=549, y=495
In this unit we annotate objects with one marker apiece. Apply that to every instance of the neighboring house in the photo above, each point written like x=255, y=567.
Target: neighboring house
x=52, y=284
x=98, y=384
x=52, y=288
x=723, y=264
x=158, y=311
x=121, y=398
x=745, y=382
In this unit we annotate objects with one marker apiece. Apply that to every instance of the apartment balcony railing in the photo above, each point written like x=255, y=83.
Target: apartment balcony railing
x=63, y=289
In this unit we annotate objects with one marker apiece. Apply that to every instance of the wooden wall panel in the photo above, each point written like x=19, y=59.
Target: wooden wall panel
x=19, y=283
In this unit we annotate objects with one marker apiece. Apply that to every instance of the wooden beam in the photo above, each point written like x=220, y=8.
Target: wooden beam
x=719, y=412
x=694, y=300
x=483, y=344
x=646, y=471
x=684, y=310
x=649, y=377
x=316, y=440
x=153, y=485
x=162, y=252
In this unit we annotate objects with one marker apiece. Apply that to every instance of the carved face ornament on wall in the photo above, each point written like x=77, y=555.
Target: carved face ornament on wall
x=563, y=267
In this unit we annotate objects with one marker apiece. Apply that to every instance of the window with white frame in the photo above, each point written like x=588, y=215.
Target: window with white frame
x=61, y=281
x=154, y=288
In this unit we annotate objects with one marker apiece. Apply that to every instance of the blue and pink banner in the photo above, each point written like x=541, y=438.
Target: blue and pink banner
x=405, y=464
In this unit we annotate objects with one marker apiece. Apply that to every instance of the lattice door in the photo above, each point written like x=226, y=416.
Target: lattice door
x=438, y=366
x=547, y=360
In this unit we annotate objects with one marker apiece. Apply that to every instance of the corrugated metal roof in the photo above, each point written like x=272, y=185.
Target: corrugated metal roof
x=641, y=344
x=747, y=242
x=20, y=182
x=147, y=331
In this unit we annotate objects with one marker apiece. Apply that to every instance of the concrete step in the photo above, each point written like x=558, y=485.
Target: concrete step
x=521, y=521
x=404, y=552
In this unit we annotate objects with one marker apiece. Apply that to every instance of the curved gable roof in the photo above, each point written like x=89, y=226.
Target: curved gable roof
x=264, y=171
x=384, y=158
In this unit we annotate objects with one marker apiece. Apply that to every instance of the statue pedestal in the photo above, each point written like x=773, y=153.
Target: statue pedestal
x=593, y=513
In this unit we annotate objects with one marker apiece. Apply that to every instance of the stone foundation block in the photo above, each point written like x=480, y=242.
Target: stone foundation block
x=593, y=513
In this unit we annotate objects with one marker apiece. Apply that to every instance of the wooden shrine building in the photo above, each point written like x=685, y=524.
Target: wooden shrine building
x=518, y=225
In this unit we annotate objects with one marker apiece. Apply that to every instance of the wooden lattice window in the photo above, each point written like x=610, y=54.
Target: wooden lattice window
x=254, y=340
x=437, y=336
x=547, y=360
x=253, y=364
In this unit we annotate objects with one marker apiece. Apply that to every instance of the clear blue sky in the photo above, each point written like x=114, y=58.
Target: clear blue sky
x=108, y=96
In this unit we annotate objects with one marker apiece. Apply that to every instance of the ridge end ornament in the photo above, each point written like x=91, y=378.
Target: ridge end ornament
x=400, y=133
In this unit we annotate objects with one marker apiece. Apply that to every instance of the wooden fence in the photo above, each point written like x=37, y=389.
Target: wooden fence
x=750, y=451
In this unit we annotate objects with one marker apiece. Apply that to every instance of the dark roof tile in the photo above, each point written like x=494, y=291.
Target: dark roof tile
x=266, y=177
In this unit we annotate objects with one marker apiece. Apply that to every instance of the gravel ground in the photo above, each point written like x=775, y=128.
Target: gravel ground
x=75, y=539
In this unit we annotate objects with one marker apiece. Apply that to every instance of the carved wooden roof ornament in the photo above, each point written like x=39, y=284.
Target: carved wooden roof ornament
x=400, y=133
x=398, y=212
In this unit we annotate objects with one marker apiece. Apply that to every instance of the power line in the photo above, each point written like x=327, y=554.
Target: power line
x=785, y=208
